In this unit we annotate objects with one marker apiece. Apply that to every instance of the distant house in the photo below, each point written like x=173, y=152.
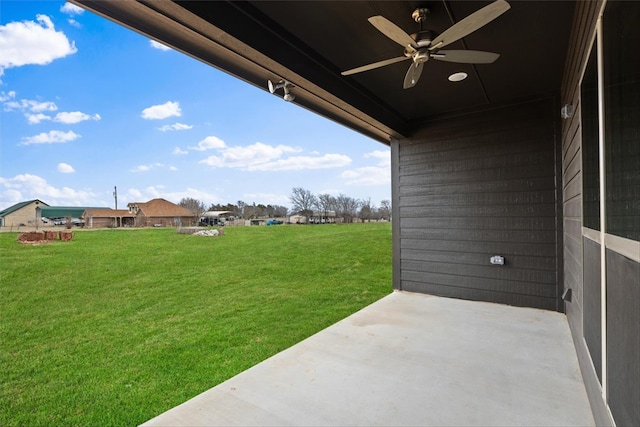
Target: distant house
x=160, y=213
x=62, y=212
x=298, y=219
x=21, y=214
x=108, y=218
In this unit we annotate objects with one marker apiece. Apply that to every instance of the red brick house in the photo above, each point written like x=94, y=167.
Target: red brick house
x=108, y=218
x=160, y=213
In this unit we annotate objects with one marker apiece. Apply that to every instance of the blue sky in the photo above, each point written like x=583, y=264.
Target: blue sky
x=88, y=105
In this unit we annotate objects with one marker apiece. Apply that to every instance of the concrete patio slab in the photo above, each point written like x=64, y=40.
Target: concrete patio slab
x=410, y=359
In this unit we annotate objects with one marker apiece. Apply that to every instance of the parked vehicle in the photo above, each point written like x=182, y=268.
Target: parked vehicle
x=207, y=221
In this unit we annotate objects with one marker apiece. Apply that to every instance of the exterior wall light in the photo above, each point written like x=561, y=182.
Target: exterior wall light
x=566, y=112
x=282, y=84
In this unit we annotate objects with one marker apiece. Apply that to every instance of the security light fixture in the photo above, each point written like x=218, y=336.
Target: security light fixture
x=566, y=112
x=287, y=95
x=282, y=84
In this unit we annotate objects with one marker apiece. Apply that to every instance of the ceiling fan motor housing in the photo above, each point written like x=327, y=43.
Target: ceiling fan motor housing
x=423, y=38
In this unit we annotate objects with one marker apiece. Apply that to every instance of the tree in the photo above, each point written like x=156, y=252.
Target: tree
x=366, y=210
x=347, y=206
x=385, y=209
x=241, y=205
x=325, y=203
x=251, y=211
x=280, y=211
x=195, y=206
x=302, y=200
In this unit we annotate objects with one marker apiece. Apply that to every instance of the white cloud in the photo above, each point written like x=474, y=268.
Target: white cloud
x=145, y=168
x=368, y=175
x=248, y=156
x=71, y=9
x=383, y=156
x=7, y=96
x=34, y=110
x=162, y=111
x=28, y=105
x=51, y=137
x=26, y=186
x=173, y=168
x=74, y=117
x=304, y=162
x=175, y=126
x=29, y=42
x=134, y=194
x=10, y=197
x=142, y=168
x=154, y=44
x=179, y=152
x=264, y=157
x=65, y=168
x=380, y=174
x=209, y=143
x=34, y=119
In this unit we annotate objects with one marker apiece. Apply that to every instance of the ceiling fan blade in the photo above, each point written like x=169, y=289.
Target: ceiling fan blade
x=470, y=24
x=413, y=74
x=392, y=31
x=465, y=56
x=374, y=65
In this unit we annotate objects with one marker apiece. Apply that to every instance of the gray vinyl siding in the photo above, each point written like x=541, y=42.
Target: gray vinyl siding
x=479, y=185
x=582, y=33
x=592, y=322
x=623, y=338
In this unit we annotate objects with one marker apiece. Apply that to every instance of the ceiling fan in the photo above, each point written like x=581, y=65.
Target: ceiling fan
x=421, y=47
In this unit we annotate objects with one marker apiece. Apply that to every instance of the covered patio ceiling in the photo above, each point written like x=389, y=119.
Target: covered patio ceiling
x=310, y=43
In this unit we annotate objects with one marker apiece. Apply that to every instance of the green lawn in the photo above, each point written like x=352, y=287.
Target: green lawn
x=117, y=326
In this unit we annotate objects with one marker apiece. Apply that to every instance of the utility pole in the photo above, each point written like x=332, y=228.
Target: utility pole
x=115, y=195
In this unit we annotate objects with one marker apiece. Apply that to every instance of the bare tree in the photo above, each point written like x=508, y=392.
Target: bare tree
x=280, y=211
x=325, y=203
x=251, y=211
x=385, y=209
x=366, y=210
x=303, y=201
x=195, y=206
x=347, y=206
x=240, y=208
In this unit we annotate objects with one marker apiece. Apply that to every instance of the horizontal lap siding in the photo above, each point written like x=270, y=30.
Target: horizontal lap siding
x=582, y=33
x=477, y=186
x=623, y=340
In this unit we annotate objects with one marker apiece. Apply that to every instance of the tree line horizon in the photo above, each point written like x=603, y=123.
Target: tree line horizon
x=303, y=203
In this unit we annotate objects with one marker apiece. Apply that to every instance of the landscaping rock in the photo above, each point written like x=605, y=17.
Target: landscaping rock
x=207, y=233
x=65, y=236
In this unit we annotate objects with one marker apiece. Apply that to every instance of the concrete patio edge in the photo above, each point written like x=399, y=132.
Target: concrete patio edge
x=409, y=359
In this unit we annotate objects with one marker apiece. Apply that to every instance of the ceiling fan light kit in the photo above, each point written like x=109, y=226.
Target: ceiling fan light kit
x=420, y=47
x=458, y=77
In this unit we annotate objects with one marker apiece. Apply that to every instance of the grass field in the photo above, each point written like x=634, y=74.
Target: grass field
x=117, y=326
